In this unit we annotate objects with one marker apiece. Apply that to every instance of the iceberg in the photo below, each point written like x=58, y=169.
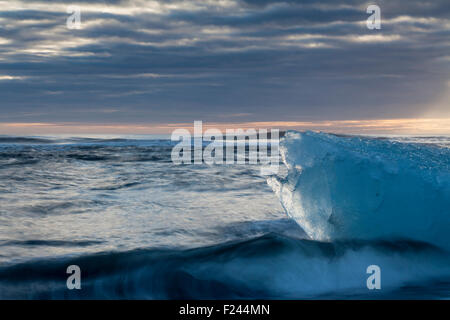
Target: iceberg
x=342, y=187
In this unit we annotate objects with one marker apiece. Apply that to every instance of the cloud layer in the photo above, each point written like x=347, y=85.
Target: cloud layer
x=137, y=61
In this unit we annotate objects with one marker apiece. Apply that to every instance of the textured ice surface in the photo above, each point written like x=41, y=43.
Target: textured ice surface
x=365, y=188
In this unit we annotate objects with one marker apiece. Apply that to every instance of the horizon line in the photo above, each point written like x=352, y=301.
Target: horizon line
x=364, y=126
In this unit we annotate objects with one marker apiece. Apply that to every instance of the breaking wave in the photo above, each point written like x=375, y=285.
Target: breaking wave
x=272, y=266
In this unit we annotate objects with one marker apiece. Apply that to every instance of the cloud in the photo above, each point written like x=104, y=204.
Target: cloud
x=5, y=77
x=180, y=60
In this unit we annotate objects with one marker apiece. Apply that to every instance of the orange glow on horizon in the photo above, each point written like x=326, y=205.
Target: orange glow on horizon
x=381, y=126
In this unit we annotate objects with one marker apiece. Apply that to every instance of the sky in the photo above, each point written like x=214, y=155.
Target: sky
x=137, y=66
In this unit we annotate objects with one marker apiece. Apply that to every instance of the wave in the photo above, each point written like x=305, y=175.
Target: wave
x=20, y=155
x=271, y=266
x=24, y=140
x=48, y=243
x=33, y=140
x=354, y=187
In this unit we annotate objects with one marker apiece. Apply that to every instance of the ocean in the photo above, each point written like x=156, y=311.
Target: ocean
x=141, y=227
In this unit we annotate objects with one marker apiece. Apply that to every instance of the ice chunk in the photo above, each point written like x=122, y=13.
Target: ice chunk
x=353, y=187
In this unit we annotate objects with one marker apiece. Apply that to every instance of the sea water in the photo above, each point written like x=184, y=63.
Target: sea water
x=139, y=226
